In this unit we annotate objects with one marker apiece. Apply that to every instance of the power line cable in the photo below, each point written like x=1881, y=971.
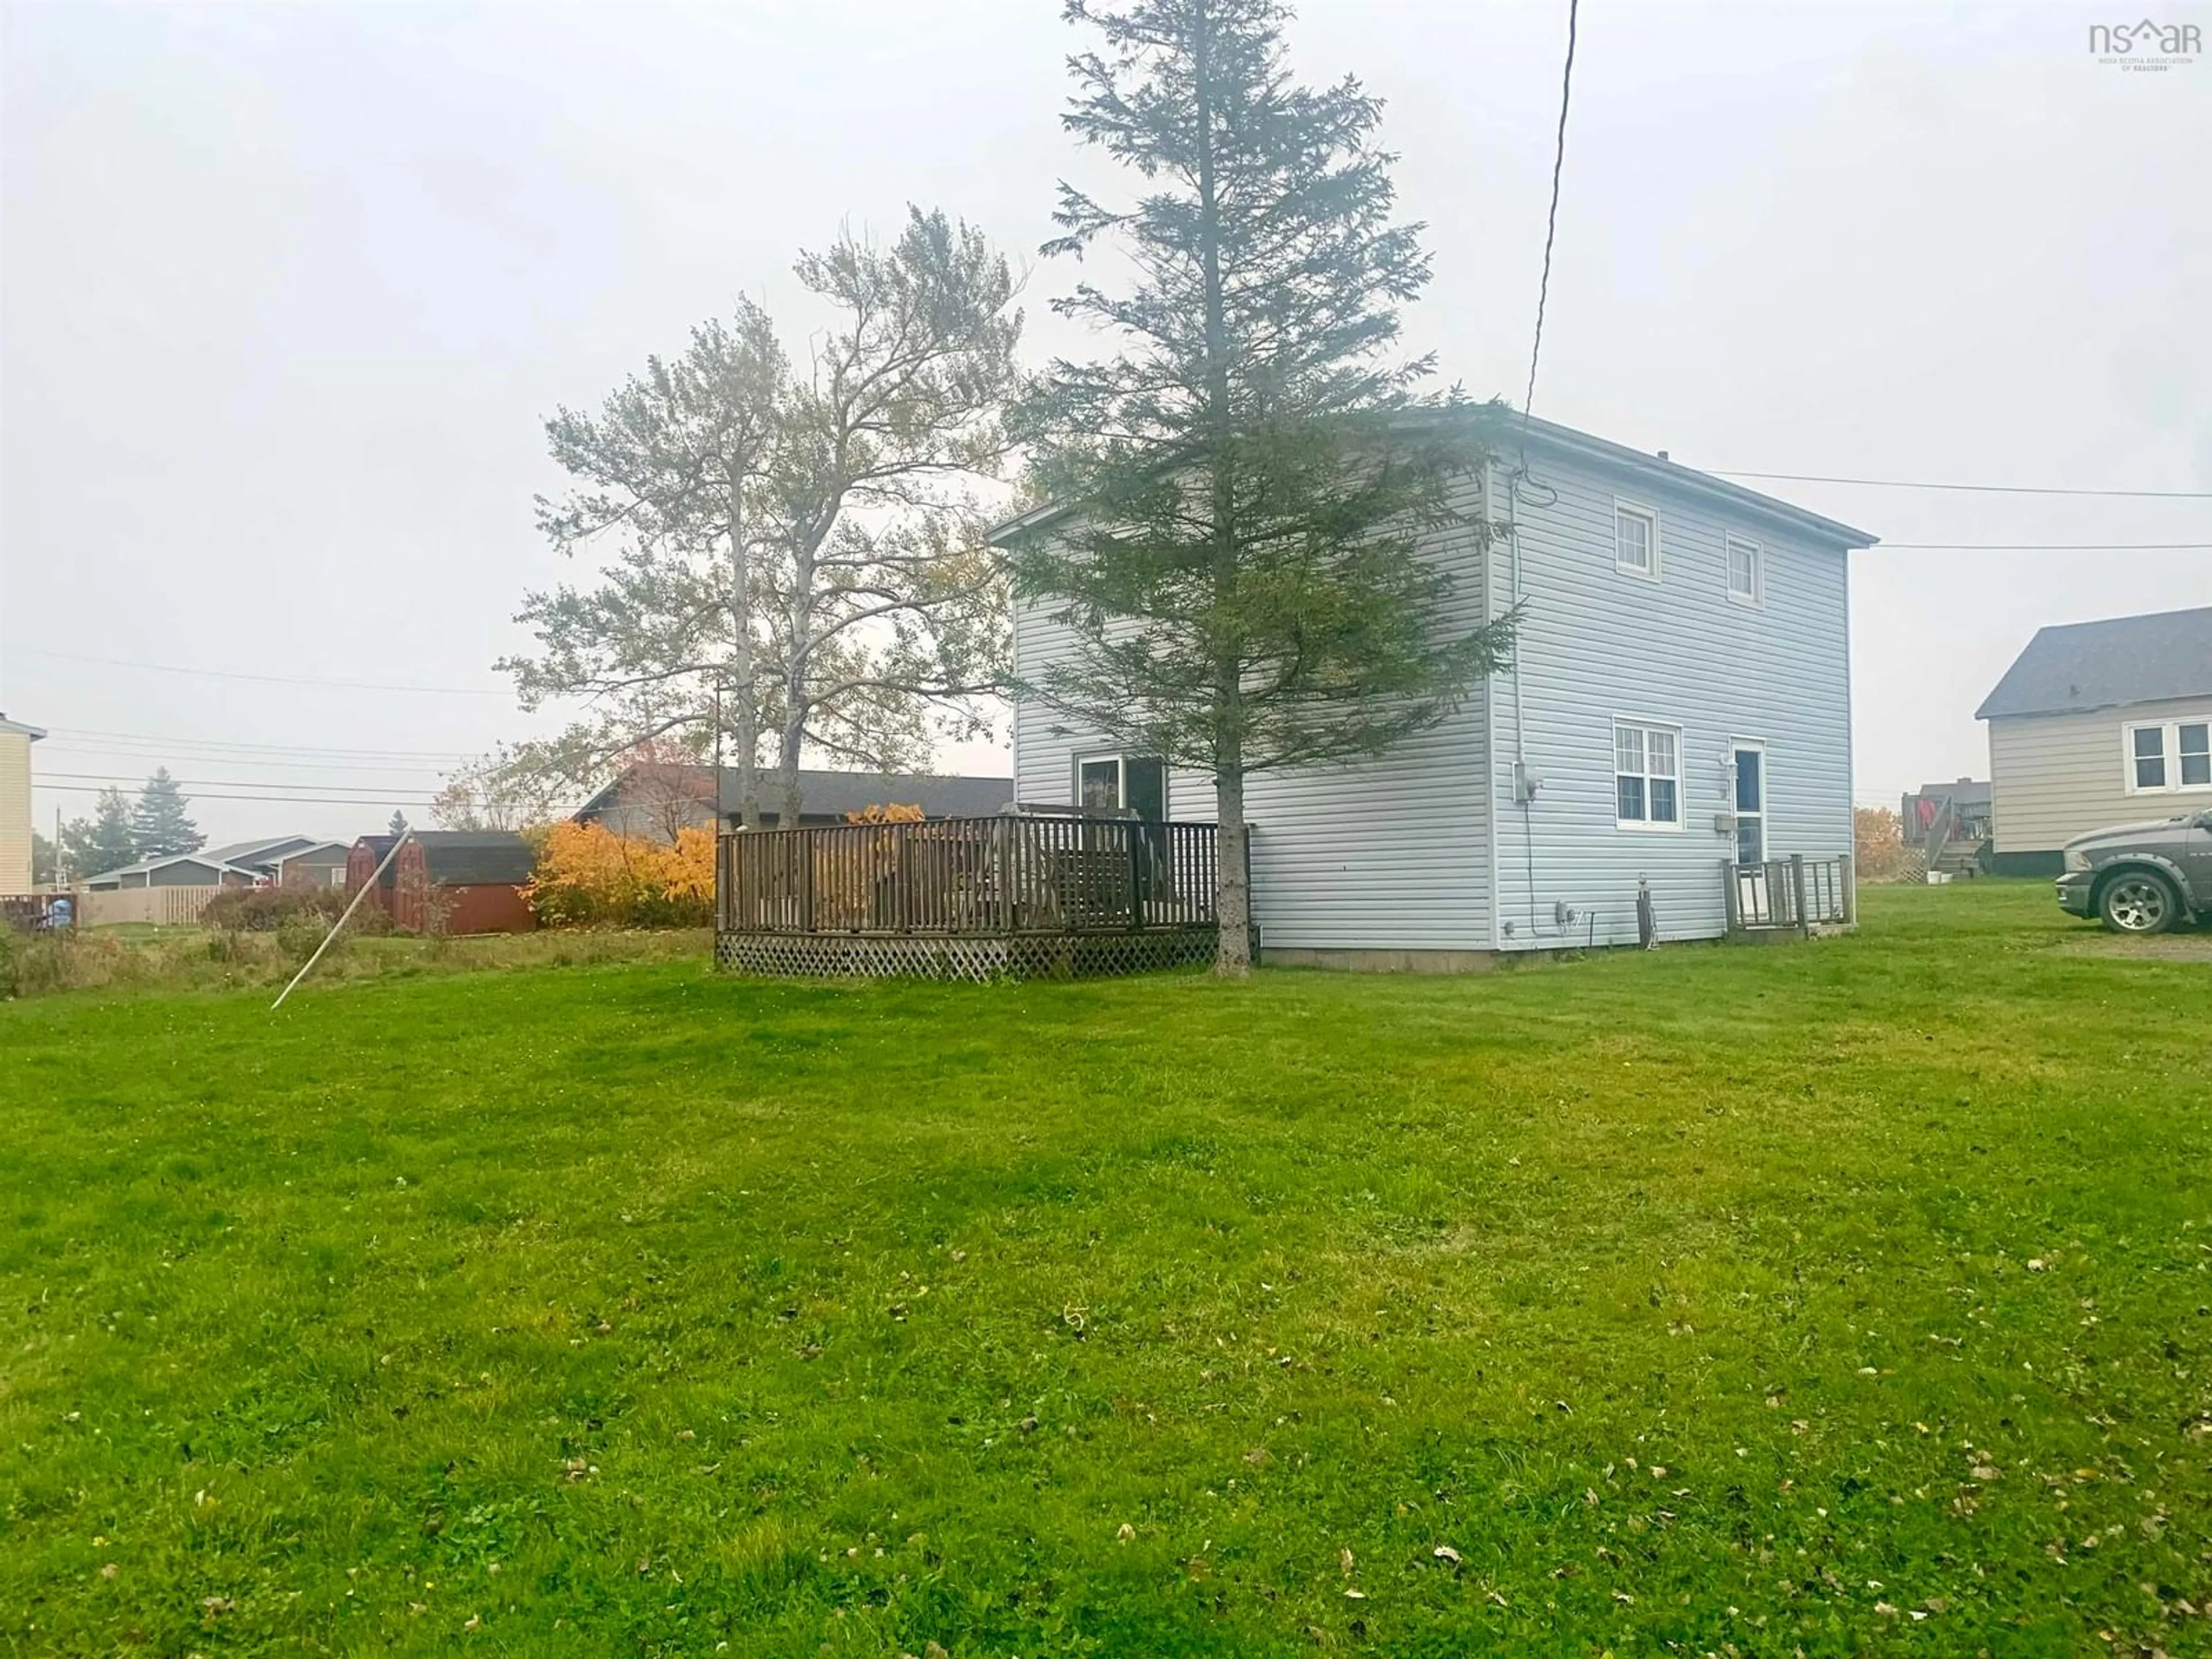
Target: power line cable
x=290, y=800
x=120, y=782
x=1998, y=489
x=70, y=732
x=1552, y=218
x=261, y=679
x=163, y=757
x=2051, y=547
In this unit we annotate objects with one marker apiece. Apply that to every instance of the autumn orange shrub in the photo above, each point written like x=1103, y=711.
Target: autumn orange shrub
x=588, y=876
x=1878, y=840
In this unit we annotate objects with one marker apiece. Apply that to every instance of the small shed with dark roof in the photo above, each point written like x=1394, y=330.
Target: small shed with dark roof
x=2098, y=723
x=450, y=881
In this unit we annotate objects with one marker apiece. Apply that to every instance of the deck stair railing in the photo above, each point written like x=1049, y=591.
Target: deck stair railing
x=1793, y=895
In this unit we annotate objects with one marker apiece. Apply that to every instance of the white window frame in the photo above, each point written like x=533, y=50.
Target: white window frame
x=1730, y=546
x=1122, y=759
x=1624, y=508
x=2169, y=752
x=1648, y=825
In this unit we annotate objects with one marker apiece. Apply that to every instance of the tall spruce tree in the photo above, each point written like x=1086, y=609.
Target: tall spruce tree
x=159, y=823
x=103, y=842
x=1250, y=480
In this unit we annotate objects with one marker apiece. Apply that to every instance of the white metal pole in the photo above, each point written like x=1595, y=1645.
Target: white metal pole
x=374, y=878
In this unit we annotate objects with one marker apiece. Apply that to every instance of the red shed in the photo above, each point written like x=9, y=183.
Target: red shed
x=467, y=881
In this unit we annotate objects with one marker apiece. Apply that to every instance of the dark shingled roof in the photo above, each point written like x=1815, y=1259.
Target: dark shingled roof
x=1967, y=791
x=839, y=792
x=2078, y=666
x=464, y=857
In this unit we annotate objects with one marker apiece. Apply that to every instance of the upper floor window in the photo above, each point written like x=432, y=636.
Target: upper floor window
x=1647, y=776
x=1635, y=539
x=1746, y=580
x=2169, y=756
x=1116, y=783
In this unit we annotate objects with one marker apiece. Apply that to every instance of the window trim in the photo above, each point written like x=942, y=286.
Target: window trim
x=1756, y=599
x=1621, y=505
x=2169, y=755
x=1121, y=758
x=1648, y=825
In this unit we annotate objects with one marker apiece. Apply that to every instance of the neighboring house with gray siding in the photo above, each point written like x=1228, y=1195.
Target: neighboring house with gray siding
x=1681, y=697
x=654, y=802
x=2096, y=723
x=272, y=858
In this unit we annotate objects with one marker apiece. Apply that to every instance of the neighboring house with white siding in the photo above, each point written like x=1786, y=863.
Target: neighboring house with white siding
x=1680, y=699
x=15, y=741
x=2096, y=723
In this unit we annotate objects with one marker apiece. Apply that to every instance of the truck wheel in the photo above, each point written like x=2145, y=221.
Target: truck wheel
x=2139, y=902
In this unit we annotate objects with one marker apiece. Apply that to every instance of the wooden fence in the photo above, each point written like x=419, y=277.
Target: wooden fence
x=163, y=907
x=953, y=878
x=1791, y=895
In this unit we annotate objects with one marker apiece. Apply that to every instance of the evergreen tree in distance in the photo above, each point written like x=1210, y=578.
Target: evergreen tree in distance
x=1251, y=478
x=159, y=824
x=104, y=841
x=399, y=825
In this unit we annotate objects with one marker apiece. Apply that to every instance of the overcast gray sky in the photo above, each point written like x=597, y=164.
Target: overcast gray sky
x=285, y=292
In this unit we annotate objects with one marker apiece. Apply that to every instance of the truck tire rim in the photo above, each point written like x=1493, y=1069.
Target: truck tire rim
x=2137, y=905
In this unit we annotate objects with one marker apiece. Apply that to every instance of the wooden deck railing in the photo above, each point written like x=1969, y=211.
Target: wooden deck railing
x=968, y=877
x=1792, y=894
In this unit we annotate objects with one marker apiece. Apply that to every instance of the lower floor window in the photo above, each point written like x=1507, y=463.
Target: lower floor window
x=2171, y=755
x=1123, y=783
x=1647, y=776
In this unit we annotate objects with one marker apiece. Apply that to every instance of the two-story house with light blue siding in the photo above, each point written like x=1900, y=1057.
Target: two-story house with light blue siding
x=1679, y=705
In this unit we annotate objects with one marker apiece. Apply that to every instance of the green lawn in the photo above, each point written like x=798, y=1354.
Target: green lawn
x=1844, y=1295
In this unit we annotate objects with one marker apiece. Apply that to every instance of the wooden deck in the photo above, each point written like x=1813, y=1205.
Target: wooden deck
x=967, y=898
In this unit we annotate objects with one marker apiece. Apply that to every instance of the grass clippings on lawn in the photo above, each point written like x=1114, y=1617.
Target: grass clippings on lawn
x=1846, y=1296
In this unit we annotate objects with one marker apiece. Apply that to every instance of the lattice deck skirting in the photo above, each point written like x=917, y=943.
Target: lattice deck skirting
x=978, y=959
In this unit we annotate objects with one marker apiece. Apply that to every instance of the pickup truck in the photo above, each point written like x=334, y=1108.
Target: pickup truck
x=2141, y=878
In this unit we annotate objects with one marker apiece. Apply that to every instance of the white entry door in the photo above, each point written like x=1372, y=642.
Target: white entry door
x=1750, y=771
x=1754, y=893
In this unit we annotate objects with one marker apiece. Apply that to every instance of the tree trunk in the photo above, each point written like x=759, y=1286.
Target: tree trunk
x=741, y=622
x=794, y=797
x=800, y=619
x=1232, y=894
x=1232, y=958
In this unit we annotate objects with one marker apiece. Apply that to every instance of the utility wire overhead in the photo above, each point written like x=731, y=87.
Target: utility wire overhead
x=1552, y=218
x=60, y=732
x=121, y=781
x=151, y=758
x=1996, y=490
x=261, y=679
x=378, y=802
x=2048, y=547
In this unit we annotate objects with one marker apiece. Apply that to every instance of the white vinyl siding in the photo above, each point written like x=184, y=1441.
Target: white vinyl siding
x=14, y=812
x=1390, y=853
x=1635, y=539
x=1429, y=847
x=2053, y=777
x=1595, y=648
